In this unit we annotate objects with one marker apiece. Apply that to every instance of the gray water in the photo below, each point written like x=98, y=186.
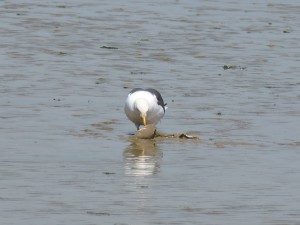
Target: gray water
x=65, y=155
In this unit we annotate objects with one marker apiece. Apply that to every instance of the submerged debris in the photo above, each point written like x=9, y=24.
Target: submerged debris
x=137, y=72
x=185, y=136
x=177, y=136
x=109, y=173
x=98, y=213
x=109, y=47
x=149, y=132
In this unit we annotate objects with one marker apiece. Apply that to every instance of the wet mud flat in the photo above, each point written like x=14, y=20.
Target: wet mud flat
x=229, y=73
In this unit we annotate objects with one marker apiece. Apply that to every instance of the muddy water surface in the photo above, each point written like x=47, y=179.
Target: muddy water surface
x=229, y=71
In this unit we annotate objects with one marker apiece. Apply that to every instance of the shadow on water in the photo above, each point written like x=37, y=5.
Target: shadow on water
x=142, y=158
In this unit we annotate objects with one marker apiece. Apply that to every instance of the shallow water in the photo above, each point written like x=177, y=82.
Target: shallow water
x=65, y=153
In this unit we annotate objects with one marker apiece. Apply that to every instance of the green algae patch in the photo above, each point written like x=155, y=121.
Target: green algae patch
x=200, y=56
x=100, y=80
x=62, y=6
x=232, y=67
x=104, y=125
x=223, y=144
x=57, y=52
x=98, y=130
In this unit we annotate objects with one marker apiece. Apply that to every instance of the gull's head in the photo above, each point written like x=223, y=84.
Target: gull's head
x=142, y=106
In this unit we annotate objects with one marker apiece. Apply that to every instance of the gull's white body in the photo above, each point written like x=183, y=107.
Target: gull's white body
x=141, y=103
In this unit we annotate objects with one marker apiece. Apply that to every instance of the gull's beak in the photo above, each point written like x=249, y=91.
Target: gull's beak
x=144, y=120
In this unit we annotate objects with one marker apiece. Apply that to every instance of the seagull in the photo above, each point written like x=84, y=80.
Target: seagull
x=144, y=106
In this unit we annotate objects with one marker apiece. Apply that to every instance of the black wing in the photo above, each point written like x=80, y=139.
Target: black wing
x=160, y=100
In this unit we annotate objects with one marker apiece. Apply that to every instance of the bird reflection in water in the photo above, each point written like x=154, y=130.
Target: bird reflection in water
x=142, y=158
